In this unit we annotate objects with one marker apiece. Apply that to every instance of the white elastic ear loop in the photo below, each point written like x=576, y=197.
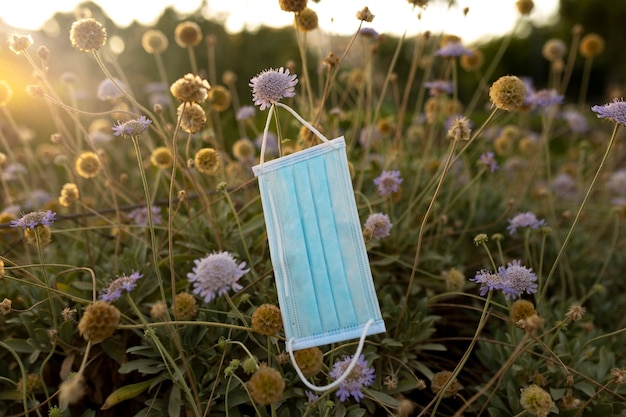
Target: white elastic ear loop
x=305, y=123
x=343, y=376
x=264, y=141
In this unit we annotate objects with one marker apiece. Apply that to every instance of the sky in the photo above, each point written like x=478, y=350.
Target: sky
x=486, y=18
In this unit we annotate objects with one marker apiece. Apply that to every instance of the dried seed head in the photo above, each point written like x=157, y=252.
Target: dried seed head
x=188, y=34
x=87, y=35
x=99, y=321
x=267, y=320
x=309, y=361
x=508, y=93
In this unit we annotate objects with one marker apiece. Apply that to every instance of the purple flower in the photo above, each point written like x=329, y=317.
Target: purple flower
x=576, y=121
x=107, y=90
x=615, y=111
x=362, y=375
x=544, y=98
x=617, y=182
x=132, y=128
x=119, y=286
x=140, y=216
x=379, y=225
x=521, y=220
x=35, y=218
x=369, y=33
x=388, y=182
x=271, y=85
x=516, y=280
x=452, y=49
x=271, y=143
x=437, y=87
x=245, y=113
x=488, y=281
x=215, y=274
x=488, y=160
x=564, y=185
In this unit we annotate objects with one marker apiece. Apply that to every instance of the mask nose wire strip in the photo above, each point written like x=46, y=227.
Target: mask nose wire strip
x=343, y=376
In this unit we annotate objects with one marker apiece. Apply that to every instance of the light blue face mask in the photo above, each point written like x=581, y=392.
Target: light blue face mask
x=325, y=287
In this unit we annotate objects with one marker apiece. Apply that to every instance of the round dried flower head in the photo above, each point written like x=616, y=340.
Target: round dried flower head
x=229, y=77
x=25, y=386
x=88, y=35
x=162, y=157
x=536, y=401
x=185, y=306
x=266, y=386
x=192, y=117
x=244, y=150
x=521, y=310
x=5, y=93
x=591, y=45
x=43, y=52
x=331, y=60
x=554, y=50
x=524, y=7
x=309, y=361
x=472, y=62
x=307, y=20
x=575, y=312
x=188, y=34
x=72, y=390
x=88, y=164
x=377, y=226
x=41, y=236
x=365, y=15
x=215, y=274
x=154, y=41
x=131, y=128
x=618, y=375
x=267, y=320
x=5, y=306
x=455, y=279
x=508, y=93
x=99, y=321
x=292, y=5
x=219, y=98
x=270, y=86
x=18, y=43
x=207, y=161
x=460, y=128
x=440, y=379
x=69, y=194
x=190, y=89
x=419, y=3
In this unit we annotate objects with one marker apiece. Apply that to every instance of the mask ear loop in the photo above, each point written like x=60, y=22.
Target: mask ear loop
x=264, y=141
x=305, y=123
x=343, y=376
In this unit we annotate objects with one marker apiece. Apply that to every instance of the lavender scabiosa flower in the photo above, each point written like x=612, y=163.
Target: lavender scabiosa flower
x=575, y=121
x=517, y=280
x=544, y=98
x=378, y=226
x=615, y=111
x=453, y=49
x=617, y=182
x=388, y=182
x=362, y=375
x=107, y=90
x=488, y=281
x=564, y=185
x=522, y=220
x=140, y=216
x=132, y=128
x=489, y=161
x=271, y=85
x=245, y=113
x=437, y=87
x=215, y=274
x=119, y=286
x=34, y=219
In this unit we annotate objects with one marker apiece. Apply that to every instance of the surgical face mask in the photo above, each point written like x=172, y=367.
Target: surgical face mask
x=325, y=287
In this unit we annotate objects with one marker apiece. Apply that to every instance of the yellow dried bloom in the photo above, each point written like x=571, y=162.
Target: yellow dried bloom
x=190, y=89
x=618, y=375
x=536, y=401
x=508, y=93
x=267, y=320
x=455, y=279
x=575, y=312
x=460, y=128
x=440, y=379
x=69, y=194
x=188, y=34
x=87, y=35
x=219, y=98
x=32, y=383
x=554, y=50
x=266, y=386
x=154, y=41
x=292, y=5
x=158, y=311
x=307, y=20
x=524, y=7
x=192, y=117
x=472, y=62
x=2, y=272
x=185, y=306
x=244, y=150
x=18, y=43
x=207, y=161
x=521, y=310
x=365, y=15
x=88, y=164
x=162, y=157
x=99, y=321
x=5, y=306
x=309, y=361
x=6, y=93
x=229, y=77
x=591, y=45
x=41, y=235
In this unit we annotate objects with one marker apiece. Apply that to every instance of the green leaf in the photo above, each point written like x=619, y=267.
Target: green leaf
x=145, y=366
x=586, y=388
x=174, y=404
x=127, y=392
x=383, y=398
x=19, y=345
x=358, y=412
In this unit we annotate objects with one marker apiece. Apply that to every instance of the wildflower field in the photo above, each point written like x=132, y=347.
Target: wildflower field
x=149, y=262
